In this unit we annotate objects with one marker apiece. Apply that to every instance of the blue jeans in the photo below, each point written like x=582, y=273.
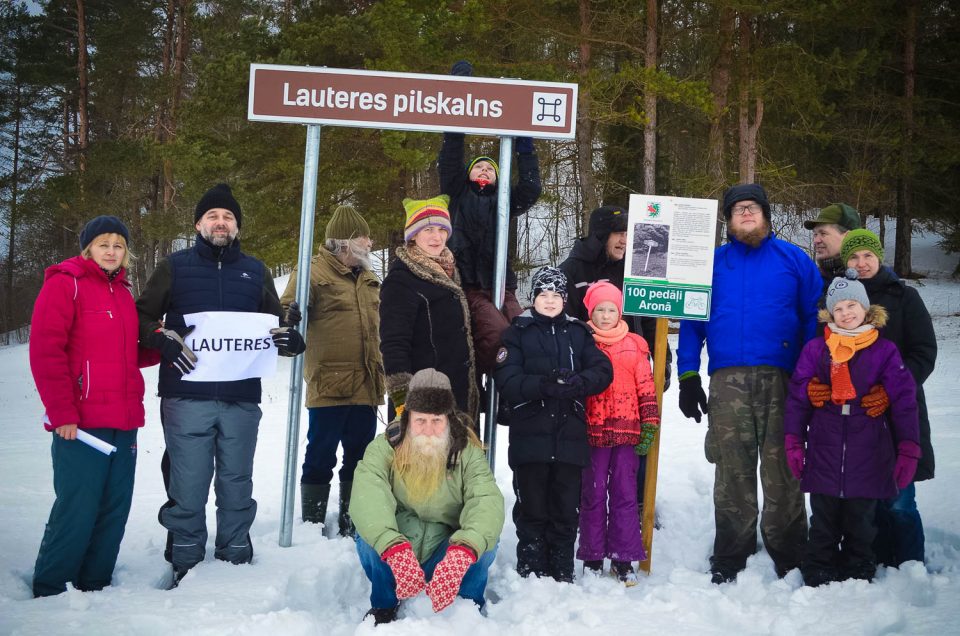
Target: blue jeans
x=353, y=425
x=384, y=592
x=900, y=529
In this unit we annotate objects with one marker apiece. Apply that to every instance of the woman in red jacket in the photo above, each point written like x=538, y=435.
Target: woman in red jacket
x=86, y=365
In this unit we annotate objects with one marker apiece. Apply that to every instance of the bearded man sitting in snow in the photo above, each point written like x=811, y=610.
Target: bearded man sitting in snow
x=426, y=507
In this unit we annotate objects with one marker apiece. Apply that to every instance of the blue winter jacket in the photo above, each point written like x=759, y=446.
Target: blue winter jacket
x=763, y=310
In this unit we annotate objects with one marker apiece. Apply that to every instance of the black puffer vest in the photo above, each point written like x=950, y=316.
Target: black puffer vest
x=209, y=278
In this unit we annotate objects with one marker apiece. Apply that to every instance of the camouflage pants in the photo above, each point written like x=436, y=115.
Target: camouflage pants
x=746, y=425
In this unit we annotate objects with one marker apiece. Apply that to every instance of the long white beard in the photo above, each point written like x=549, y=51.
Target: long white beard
x=421, y=463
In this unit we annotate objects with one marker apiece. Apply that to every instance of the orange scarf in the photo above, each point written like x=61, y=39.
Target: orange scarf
x=842, y=347
x=610, y=336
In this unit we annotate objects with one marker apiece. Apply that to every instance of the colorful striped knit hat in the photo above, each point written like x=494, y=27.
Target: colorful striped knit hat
x=421, y=213
x=857, y=240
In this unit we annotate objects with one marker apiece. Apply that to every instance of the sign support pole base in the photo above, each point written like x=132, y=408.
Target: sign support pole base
x=653, y=456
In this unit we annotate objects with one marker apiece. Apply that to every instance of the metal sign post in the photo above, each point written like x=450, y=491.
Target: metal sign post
x=499, y=284
x=311, y=163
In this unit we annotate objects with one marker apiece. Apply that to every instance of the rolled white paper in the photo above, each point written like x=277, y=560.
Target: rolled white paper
x=95, y=442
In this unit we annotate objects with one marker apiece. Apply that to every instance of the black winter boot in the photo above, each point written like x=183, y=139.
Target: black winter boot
x=343, y=519
x=313, y=502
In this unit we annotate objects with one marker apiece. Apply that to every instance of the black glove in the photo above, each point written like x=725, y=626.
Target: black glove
x=667, y=372
x=559, y=391
x=524, y=145
x=292, y=317
x=174, y=350
x=462, y=68
x=288, y=341
x=692, y=397
x=570, y=378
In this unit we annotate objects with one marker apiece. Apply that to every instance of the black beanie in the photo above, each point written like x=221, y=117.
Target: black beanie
x=219, y=196
x=745, y=192
x=102, y=225
x=606, y=220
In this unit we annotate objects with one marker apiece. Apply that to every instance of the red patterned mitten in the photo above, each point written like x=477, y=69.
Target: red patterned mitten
x=406, y=570
x=448, y=574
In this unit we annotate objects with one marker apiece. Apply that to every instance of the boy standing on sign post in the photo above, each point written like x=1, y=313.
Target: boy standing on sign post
x=472, y=189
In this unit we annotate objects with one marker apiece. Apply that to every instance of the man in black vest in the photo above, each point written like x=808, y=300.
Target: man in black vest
x=210, y=428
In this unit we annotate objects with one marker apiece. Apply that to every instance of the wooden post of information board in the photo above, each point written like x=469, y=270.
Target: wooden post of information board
x=653, y=456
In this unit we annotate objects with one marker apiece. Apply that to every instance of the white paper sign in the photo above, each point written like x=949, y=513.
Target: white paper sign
x=669, y=262
x=231, y=345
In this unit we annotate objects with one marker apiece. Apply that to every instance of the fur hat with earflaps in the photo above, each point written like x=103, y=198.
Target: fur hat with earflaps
x=429, y=392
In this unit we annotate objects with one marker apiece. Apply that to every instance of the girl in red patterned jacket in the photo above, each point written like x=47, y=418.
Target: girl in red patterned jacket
x=86, y=364
x=621, y=424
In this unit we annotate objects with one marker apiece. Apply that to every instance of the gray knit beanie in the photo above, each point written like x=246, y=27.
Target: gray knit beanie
x=847, y=288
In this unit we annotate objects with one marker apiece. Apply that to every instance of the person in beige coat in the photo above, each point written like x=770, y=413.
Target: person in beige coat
x=343, y=370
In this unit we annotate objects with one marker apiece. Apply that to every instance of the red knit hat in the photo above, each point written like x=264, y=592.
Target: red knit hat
x=602, y=292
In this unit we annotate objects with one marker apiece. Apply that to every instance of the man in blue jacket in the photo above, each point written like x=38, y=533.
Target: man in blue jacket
x=764, y=309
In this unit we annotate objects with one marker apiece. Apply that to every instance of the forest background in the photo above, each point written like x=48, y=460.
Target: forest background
x=136, y=107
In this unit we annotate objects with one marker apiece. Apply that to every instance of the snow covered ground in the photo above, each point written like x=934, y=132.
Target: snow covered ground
x=317, y=587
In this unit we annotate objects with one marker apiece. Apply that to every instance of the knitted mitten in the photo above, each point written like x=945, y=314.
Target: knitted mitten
x=876, y=402
x=817, y=392
x=648, y=430
x=406, y=570
x=448, y=574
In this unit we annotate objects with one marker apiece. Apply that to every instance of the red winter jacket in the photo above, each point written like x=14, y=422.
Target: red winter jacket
x=83, y=348
x=614, y=417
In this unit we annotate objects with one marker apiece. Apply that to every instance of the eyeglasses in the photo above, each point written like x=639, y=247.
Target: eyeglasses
x=752, y=208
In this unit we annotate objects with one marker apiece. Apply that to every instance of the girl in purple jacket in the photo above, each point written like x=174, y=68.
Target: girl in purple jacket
x=846, y=455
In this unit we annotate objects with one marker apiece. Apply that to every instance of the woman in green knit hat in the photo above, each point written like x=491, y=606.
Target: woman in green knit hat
x=900, y=535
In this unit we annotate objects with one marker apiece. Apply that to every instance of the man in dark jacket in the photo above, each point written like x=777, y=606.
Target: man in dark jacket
x=547, y=367
x=472, y=189
x=210, y=428
x=829, y=228
x=763, y=310
x=600, y=257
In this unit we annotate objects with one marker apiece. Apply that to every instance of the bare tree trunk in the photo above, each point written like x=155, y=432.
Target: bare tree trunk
x=14, y=193
x=82, y=93
x=901, y=256
x=719, y=87
x=588, y=183
x=748, y=130
x=650, y=104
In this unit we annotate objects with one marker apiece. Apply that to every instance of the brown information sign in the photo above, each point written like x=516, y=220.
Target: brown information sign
x=412, y=101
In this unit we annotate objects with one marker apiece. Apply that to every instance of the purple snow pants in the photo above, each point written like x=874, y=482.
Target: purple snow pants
x=611, y=475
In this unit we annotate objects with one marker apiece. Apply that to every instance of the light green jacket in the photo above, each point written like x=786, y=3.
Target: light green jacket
x=467, y=509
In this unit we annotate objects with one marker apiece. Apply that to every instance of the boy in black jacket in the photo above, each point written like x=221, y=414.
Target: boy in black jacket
x=546, y=368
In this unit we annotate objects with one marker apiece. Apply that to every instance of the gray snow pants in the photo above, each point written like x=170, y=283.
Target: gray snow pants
x=207, y=438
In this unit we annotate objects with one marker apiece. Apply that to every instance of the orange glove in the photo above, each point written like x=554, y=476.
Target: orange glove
x=817, y=392
x=876, y=401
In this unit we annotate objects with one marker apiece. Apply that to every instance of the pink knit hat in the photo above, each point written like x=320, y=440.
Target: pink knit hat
x=602, y=292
